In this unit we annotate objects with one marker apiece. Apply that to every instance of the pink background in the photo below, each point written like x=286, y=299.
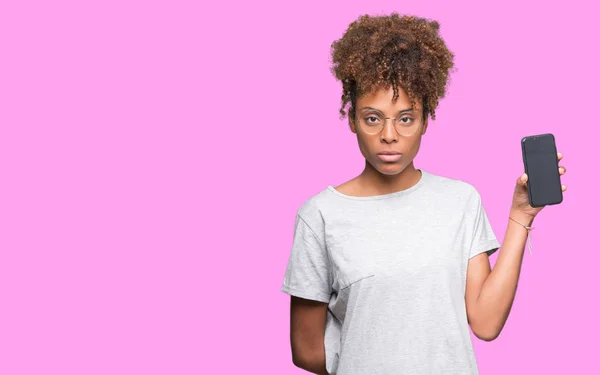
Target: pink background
x=153, y=156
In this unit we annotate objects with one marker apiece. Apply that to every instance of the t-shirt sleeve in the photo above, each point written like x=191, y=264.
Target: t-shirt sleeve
x=308, y=273
x=484, y=239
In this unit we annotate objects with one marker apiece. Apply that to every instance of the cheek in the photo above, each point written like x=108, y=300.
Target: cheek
x=415, y=144
x=366, y=146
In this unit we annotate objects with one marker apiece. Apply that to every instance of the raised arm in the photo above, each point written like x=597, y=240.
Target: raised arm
x=490, y=293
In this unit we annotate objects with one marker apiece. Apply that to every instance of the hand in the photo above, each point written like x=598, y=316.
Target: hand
x=520, y=205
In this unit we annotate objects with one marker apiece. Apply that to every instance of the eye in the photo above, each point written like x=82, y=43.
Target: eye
x=408, y=120
x=371, y=119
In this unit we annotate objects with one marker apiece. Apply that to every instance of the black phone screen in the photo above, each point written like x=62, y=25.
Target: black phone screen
x=541, y=166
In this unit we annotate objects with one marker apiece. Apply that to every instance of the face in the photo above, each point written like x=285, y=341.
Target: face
x=388, y=140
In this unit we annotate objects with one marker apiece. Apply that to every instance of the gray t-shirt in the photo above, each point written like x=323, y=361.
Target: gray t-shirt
x=392, y=269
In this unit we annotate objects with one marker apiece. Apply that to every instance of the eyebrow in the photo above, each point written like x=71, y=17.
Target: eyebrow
x=375, y=109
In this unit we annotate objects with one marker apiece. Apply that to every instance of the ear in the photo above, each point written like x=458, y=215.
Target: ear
x=351, y=120
x=425, y=125
x=425, y=112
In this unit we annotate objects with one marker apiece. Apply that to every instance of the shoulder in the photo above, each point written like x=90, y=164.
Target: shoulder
x=311, y=210
x=455, y=195
x=452, y=188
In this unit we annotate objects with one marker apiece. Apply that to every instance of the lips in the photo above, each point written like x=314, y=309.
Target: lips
x=389, y=156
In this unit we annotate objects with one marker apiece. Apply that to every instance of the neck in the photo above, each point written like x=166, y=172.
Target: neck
x=379, y=184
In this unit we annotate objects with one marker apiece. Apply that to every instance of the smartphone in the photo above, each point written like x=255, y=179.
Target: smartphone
x=541, y=165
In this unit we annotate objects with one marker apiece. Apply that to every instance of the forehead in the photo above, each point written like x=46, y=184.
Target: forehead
x=382, y=99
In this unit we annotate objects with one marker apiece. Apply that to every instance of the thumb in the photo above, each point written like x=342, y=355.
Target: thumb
x=522, y=179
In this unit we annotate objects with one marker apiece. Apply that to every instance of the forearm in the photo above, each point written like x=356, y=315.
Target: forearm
x=314, y=367
x=498, y=291
x=314, y=363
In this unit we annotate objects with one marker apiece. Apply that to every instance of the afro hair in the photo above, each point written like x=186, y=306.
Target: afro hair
x=377, y=52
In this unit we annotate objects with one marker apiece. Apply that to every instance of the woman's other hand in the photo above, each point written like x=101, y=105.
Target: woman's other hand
x=520, y=205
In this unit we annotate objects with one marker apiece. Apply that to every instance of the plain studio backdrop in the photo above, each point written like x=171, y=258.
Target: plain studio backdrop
x=153, y=156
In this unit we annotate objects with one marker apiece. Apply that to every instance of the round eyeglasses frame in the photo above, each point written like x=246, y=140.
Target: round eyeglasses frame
x=360, y=123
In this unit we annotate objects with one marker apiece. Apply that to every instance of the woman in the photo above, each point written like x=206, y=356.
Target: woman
x=389, y=269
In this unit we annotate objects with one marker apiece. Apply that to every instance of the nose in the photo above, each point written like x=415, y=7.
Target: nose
x=389, y=133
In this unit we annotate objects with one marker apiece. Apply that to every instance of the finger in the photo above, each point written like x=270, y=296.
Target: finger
x=562, y=170
x=523, y=179
x=564, y=187
x=559, y=155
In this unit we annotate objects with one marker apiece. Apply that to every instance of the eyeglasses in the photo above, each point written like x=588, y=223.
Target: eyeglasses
x=374, y=122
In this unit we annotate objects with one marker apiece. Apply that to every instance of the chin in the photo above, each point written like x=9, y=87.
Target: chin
x=390, y=169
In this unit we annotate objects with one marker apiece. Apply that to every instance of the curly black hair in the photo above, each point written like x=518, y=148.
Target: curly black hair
x=377, y=52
